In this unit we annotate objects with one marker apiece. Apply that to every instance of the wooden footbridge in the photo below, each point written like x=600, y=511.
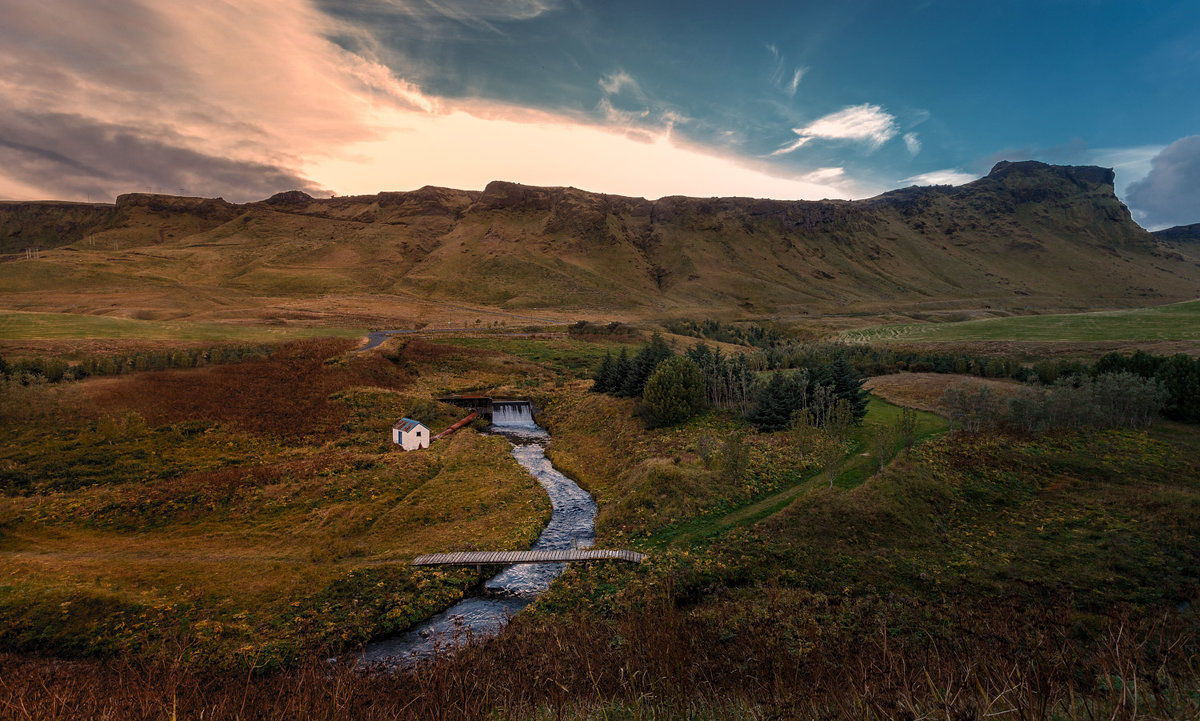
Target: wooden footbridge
x=506, y=558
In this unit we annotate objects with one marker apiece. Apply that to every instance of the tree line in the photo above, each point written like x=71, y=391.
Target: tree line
x=1178, y=374
x=676, y=387
x=752, y=334
x=1107, y=400
x=877, y=360
x=56, y=370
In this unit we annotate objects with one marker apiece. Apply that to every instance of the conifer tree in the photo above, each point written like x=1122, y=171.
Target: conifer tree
x=621, y=370
x=603, y=378
x=847, y=384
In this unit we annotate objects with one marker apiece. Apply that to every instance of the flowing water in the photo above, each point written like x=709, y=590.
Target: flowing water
x=572, y=525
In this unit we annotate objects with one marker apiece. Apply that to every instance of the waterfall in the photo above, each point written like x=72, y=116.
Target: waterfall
x=513, y=414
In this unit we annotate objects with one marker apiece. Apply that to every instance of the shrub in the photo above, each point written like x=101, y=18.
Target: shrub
x=675, y=391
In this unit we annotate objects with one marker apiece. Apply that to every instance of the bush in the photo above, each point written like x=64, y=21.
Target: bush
x=675, y=391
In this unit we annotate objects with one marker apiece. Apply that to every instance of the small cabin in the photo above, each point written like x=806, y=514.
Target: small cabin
x=410, y=435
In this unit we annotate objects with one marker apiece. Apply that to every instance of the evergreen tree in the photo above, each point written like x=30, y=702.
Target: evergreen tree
x=644, y=363
x=777, y=400
x=603, y=378
x=847, y=384
x=675, y=391
x=620, y=371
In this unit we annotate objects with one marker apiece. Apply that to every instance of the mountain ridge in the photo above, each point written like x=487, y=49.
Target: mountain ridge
x=1026, y=234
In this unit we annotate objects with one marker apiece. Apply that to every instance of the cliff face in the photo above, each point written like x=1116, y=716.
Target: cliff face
x=1028, y=233
x=48, y=224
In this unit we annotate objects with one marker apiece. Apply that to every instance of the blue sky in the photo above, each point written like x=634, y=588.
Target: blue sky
x=778, y=99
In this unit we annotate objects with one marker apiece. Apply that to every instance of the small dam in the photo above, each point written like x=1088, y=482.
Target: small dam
x=499, y=411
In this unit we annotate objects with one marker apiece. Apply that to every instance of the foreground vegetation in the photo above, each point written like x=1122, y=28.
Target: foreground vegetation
x=895, y=571
x=257, y=510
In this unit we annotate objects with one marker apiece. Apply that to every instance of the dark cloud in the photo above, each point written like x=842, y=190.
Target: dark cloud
x=1170, y=194
x=72, y=157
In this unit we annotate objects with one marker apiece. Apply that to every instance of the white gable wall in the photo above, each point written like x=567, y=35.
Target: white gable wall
x=411, y=440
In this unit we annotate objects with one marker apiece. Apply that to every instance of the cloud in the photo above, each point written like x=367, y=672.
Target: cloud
x=825, y=175
x=86, y=158
x=1170, y=194
x=792, y=84
x=912, y=143
x=479, y=142
x=868, y=124
x=780, y=77
x=243, y=99
x=466, y=10
x=614, y=83
x=121, y=88
x=1130, y=164
x=946, y=176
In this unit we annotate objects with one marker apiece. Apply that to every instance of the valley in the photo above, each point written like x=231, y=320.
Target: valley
x=200, y=504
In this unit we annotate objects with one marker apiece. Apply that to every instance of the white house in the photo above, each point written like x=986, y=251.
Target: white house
x=410, y=435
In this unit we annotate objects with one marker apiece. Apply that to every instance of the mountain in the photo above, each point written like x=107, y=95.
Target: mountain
x=1026, y=235
x=1183, y=239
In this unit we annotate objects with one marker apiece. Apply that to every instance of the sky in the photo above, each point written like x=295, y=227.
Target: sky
x=792, y=100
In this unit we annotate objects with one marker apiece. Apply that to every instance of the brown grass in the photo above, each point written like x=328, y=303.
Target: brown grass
x=923, y=391
x=796, y=656
x=285, y=395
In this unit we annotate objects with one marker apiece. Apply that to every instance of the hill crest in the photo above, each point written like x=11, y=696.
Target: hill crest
x=1027, y=234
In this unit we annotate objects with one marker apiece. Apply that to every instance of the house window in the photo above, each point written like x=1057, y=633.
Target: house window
x=418, y=434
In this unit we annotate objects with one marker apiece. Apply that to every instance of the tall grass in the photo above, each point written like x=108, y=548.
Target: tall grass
x=798, y=656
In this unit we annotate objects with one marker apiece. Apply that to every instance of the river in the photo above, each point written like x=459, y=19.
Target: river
x=572, y=525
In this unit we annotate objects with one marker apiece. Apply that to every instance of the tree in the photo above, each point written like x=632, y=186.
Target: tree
x=620, y=371
x=831, y=456
x=906, y=427
x=778, y=399
x=847, y=383
x=604, y=378
x=643, y=364
x=675, y=391
x=882, y=443
x=735, y=456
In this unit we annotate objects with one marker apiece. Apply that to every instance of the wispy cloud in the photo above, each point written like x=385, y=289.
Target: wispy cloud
x=480, y=14
x=797, y=76
x=786, y=78
x=946, y=176
x=825, y=175
x=868, y=124
x=617, y=82
x=912, y=143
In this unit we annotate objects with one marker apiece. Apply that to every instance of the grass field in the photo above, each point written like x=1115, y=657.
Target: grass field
x=1175, y=322
x=250, y=512
x=16, y=325
x=254, y=508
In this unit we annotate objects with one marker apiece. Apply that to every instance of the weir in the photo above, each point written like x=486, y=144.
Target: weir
x=515, y=412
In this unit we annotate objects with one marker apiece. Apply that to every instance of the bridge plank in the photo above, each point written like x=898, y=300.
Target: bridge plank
x=489, y=558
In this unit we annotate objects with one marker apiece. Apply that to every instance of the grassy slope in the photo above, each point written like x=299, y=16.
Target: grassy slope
x=1033, y=238
x=1178, y=321
x=16, y=325
x=162, y=507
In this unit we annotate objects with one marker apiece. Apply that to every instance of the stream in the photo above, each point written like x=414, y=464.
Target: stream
x=572, y=525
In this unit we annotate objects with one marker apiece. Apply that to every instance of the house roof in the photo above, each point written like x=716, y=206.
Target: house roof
x=407, y=424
